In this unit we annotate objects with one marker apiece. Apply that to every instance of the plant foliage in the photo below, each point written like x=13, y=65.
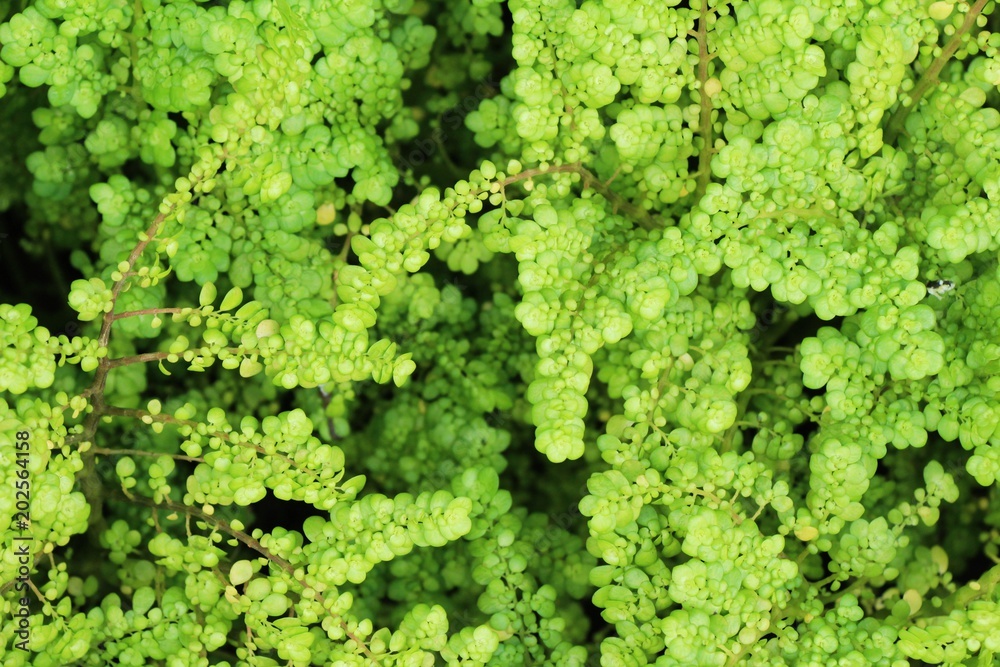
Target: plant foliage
x=463, y=332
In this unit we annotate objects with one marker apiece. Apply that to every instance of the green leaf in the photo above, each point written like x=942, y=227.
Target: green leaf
x=250, y=367
x=240, y=572
x=208, y=294
x=233, y=298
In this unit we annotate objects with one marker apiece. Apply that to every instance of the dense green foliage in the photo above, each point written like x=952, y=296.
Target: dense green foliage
x=462, y=332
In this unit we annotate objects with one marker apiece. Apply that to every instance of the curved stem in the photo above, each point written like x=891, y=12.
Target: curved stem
x=146, y=311
x=705, y=120
x=590, y=180
x=104, y=451
x=930, y=77
x=142, y=415
x=145, y=357
x=325, y=398
x=836, y=595
x=250, y=542
x=90, y=481
x=741, y=408
x=973, y=590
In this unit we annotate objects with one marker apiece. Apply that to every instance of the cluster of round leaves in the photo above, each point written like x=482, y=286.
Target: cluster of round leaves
x=438, y=424
x=27, y=360
x=57, y=511
x=814, y=202
x=294, y=102
x=734, y=488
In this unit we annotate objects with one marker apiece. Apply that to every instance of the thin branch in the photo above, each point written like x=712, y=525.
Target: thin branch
x=146, y=311
x=639, y=214
x=930, y=76
x=90, y=481
x=250, y=542
x=104, y=451
x=34, y=567
x=142, y=415
x=145, y=357
x=339, y=262
x=960, y=599
x=705, y=120
x=325, y=397
x=133, y=257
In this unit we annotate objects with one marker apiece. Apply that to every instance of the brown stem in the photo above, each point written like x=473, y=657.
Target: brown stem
x=342, y=255
x=737, y=519
x=339, y=261
x=252, y=543
x=146, y=311
x=640, y=215
x=800, y=212
x=130, y=35
x=34, y=567
x=133, y=413
x=930, y=76
x=104, y=451
x=836, y=595
x=146, y=357
x=960, y=599
x=132, y=259
x=90, y=481
x=138, y=359
x=741, y=408
x=325, y=397
x=705, y=120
